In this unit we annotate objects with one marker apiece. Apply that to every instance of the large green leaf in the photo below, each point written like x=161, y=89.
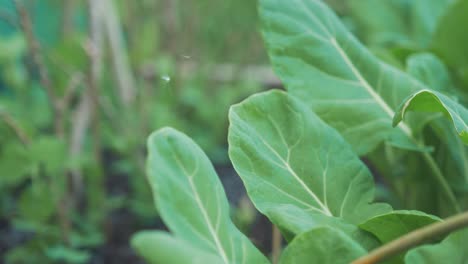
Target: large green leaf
x=450, y=39
x=409, y=23
x=428, y=68
x=425, y=15
x=160, y=247
x=382, y=22
x=293, y=163
x=432, y=101
x=292, y=220
x=322, y=245
x=451, y=250
x=191, y=199
x=397, y=223
x=451, y=153
x=323, y=64
x=390, y=226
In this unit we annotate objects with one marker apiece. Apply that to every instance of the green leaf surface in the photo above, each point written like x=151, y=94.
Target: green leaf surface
x=451, y=153
x=450, y=40
x=159, y=248
x=382, y=22
x=292, y=220
x=451, y=250
x=322, y=63
x=397, y=223
x=430, y=70
x=68, y=255
x=15, y=164
x=191, y=199
x=322, y=245
x=51, y=153
x=293, y=163
x=390, y=226
x=397, y=23
x=38, y=193
x=425, y=16
x=432, y=101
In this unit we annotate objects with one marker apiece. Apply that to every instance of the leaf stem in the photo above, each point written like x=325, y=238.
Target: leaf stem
x=442, y=181
x=276, y=245
x=415, y=238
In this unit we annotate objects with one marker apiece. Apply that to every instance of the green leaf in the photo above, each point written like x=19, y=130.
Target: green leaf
x=191, y=199
x=160, y=247
x=397, y=223
x=64, y=59
x=293, y=163
x=12, y=47
x=451, y=250
x=68, y=255
x=398, y=23
x=50, y=152
x=450, y=39
x=322, y=245
x=451, y=153
x=430, y=70
x=292, y=220
x=320, y=62
x=390, y=226
x=382, y=22
x=425, y=16
x=38, y=193
x=15, y=164
x=432, y=101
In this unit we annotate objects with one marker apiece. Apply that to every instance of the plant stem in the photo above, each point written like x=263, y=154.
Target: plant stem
x=55, y=103
x=67, y=17
x=123, y=74
x=94, y=52
x=20, y=133
x=276, y=245
x=34, y=50
x=442, y=181
x=415, y=238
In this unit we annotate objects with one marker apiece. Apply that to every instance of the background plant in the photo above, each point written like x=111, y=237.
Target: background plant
x=81, y=85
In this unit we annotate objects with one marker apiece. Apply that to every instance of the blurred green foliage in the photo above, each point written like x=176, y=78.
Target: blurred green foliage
x=44, y=219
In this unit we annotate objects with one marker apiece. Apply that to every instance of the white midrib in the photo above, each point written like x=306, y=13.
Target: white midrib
x=208, y=222
x=203, y=211
x=302, y=183
x=324, y=208
x=369, y=89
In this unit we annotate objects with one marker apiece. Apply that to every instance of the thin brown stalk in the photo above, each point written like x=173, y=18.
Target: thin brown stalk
x=54, y=101
x=20, y=133
x=94, y=51
x=71, y=90
x=415, y=238
x=276, y=245
x=122, y=72
x=81, y=118
x=67, y=17
x=36, y=56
